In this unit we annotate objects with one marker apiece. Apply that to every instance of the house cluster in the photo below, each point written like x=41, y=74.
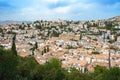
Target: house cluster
x=82, y=45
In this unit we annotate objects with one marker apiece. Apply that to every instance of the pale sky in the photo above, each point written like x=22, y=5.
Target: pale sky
x=30, y=10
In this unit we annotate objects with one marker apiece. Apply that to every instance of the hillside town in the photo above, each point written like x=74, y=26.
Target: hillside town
x=79, y=44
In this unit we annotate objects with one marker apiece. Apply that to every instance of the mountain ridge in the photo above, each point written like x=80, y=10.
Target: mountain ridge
x=115, y=18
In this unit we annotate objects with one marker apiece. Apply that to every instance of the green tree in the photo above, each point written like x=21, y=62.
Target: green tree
x=75, y=74
x=80, y=35
x=38, y=72
x=55, y=33
x=48, y=48
x=115, y=37
x=99, y=72
x=95, y=52
x=26, y=68
x=8, y=63
x=109, y=25
x=1, y=31
x=13, y=48
x=44, y=50
x=53, y=63
x=36, y=45
x=53, y=70
x=112, y=74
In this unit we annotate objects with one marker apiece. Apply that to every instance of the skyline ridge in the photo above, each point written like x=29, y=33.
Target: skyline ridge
x=118, y=16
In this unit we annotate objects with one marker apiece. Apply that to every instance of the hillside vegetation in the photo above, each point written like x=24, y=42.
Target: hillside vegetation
x=14, y=67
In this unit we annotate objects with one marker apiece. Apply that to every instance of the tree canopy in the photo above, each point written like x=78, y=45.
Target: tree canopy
x=17, y=68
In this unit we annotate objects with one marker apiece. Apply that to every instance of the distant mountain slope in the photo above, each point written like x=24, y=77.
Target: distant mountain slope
x=116, y=18
x=13, y=22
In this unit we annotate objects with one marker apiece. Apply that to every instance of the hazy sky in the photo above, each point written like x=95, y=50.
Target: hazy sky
x=54, y=9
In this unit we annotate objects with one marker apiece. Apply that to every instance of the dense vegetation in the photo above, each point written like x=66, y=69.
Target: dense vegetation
x=14, y=67
x=95, y=52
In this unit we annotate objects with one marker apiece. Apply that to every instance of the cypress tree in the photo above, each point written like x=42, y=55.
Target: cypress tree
x=13, y=48
x=47, y=48
x=36, y=45
x=80, y=35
